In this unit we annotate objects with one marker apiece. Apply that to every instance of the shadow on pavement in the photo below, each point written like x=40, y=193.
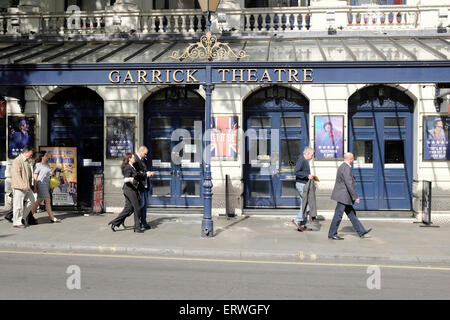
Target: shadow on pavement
x=222, y=229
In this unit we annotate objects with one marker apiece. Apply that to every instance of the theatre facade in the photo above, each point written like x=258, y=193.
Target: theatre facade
x=237, y=106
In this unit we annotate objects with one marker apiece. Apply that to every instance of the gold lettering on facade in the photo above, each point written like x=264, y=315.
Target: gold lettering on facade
x=167, y=76
x=116, y=79
x=279, y=73
x=307, y=75
x=266, y=75
x=190, y=75
x=142, y=75
x=252, y=75
x=224, y=71
x=240, y=75
x=156, y=74
x=128, y=77
x=293, y=74
x=174, y=76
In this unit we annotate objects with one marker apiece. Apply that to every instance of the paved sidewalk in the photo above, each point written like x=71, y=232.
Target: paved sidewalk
x=247, y=237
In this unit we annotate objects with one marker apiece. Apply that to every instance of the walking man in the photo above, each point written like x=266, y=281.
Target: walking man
x=21, y=182
x=344, y=193
x=302, y=176
x=143, y=187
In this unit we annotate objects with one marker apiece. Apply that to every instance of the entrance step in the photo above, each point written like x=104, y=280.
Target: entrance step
x=406, y=214
x=162, y=210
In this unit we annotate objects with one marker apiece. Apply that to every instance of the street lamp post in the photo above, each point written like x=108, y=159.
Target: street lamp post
x=207, y=223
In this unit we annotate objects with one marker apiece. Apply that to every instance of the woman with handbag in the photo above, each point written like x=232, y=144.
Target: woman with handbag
x=131, y=193
x=42, y=175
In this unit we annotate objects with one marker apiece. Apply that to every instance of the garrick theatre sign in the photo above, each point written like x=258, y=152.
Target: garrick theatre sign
x=226, y=73
x=195, y=76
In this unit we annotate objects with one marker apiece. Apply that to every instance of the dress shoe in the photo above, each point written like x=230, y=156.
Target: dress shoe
x=32, y=220
x=112, y=227
x=365, y=232
x=9, y=218
x=297, y=225
x=146, y=226
x=25, y=223
x=140, y=230
x=336, y=237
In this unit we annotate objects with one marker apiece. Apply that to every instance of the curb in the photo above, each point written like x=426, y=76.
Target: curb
x=223, y=254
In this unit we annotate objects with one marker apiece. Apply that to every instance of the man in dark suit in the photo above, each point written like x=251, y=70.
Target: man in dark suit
x=344, y=193
x=143, y=187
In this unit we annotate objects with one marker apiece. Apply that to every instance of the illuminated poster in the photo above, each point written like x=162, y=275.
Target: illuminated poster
x=21, y=133
x=224, y=137
x=63, y=184
x=120, y=136
x=329, y=137
x=435, y=138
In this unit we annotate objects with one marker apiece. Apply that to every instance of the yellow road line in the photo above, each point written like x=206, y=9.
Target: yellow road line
x=353, y=265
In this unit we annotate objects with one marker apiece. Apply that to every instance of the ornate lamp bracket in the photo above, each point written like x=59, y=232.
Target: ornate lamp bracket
x=208, y=48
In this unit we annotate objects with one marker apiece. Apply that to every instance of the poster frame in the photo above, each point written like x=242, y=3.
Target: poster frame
x=46, y=148
x=108, y=127
x=213, y=129
x=24, y=116
x=341, y=145
x=424, y=139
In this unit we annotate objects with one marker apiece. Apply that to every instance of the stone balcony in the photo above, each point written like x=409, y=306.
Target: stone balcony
x=183, y=23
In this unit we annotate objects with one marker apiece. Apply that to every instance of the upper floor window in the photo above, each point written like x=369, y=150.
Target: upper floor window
x=276, y=3
x=377, y=2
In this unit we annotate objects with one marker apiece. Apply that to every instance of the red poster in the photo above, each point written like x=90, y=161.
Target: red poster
x=224, y=137
x=2, y=107
x=98, y=204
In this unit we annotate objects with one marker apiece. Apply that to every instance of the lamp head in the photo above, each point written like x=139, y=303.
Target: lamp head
x=209, y=5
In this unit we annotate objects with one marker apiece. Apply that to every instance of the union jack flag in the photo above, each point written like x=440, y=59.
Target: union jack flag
x=224, y=137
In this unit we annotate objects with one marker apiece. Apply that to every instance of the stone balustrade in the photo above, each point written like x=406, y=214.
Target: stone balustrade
x=383, y=16
x=248, y=21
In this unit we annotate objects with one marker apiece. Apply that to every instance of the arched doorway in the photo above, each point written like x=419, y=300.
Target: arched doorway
x=3, y=155
x=276, y=123
x=173, y=127
x=381, y=138
x=75, y=119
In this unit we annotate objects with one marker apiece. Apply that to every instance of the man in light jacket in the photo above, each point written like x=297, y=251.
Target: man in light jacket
x=21, y=182
x=344, y=193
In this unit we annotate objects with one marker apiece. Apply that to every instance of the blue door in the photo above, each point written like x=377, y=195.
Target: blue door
x=75, y=119
x=173, y=133
x=276, y=126
x=2, y=154
x=381, y=139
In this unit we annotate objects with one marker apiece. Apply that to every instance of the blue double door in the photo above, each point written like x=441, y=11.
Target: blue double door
x=276, y=125
x=382, y=144
x=173, y=132
x=381, y=137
